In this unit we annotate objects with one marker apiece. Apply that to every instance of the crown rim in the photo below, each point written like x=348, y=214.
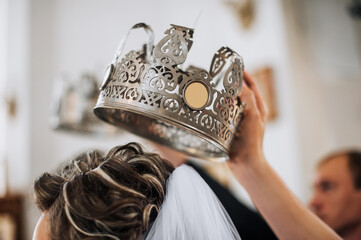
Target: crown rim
x=140, y=113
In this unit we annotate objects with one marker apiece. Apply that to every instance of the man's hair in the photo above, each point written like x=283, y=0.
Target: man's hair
x=97, y=196
x=354, y=163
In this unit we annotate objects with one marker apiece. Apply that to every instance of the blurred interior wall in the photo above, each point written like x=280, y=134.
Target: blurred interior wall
x=76, y=36
x=51, y=38
x=326, y=74
x=17, y=90
x=3, y=74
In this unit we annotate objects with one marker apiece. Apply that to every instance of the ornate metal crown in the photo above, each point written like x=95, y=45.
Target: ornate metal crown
x=71, y=106
x=147, y=93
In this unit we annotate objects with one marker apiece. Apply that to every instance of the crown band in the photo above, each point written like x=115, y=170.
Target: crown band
x=149, y=95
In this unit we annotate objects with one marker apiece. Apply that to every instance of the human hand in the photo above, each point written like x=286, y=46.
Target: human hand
x=247, y=146
x=266, y=189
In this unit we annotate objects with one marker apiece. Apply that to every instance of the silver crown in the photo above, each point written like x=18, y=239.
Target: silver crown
x=71, y=106
x=147, y=93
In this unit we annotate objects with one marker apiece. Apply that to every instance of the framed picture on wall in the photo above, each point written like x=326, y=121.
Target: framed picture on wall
x=11, y=218
x=265, y=81
x=7, y=227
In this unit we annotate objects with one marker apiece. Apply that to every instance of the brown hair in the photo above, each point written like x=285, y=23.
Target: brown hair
x=116, y=196
x=354, y=163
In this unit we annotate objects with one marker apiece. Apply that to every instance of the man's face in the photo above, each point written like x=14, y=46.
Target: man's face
x=335, y=200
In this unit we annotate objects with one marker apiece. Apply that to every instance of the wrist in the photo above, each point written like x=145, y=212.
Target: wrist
x=248, y=166
x=249, y=158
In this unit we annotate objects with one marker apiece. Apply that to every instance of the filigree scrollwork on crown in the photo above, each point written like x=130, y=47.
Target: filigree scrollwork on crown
x=232, y=79
x=121, y=92
x=227, y=108
x=227, y=105
x=189, y=115
x=175, y=45
x=199, y=74
x=239, y=113
x=151, y=99
x=161, y=77
x=222, y=107
x=206, y=120
x=129, y=68
x=209, y=123
x=172, y=105
x=219, y=60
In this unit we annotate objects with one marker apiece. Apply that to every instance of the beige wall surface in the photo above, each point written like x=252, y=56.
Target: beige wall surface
x=316, y=113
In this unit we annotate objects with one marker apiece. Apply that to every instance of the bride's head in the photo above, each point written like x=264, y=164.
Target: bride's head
x=98, y=196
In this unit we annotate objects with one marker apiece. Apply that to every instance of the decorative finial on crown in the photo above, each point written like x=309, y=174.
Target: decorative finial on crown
x=175, y=45
x=147, y=93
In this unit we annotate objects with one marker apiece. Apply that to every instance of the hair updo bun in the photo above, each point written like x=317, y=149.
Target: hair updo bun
x=48, y=187
x=116, y=196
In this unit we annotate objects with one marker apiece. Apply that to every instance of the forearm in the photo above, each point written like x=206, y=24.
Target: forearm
x=286, y=215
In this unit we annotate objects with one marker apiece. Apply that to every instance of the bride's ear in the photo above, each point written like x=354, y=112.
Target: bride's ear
x=41, y=229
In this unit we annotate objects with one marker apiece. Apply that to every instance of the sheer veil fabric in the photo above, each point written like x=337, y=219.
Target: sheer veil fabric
x=191, y=211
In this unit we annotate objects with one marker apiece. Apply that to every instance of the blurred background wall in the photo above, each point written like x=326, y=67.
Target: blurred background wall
x=312, y=47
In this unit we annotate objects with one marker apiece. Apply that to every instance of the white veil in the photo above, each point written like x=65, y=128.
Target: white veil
x=191, y=211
